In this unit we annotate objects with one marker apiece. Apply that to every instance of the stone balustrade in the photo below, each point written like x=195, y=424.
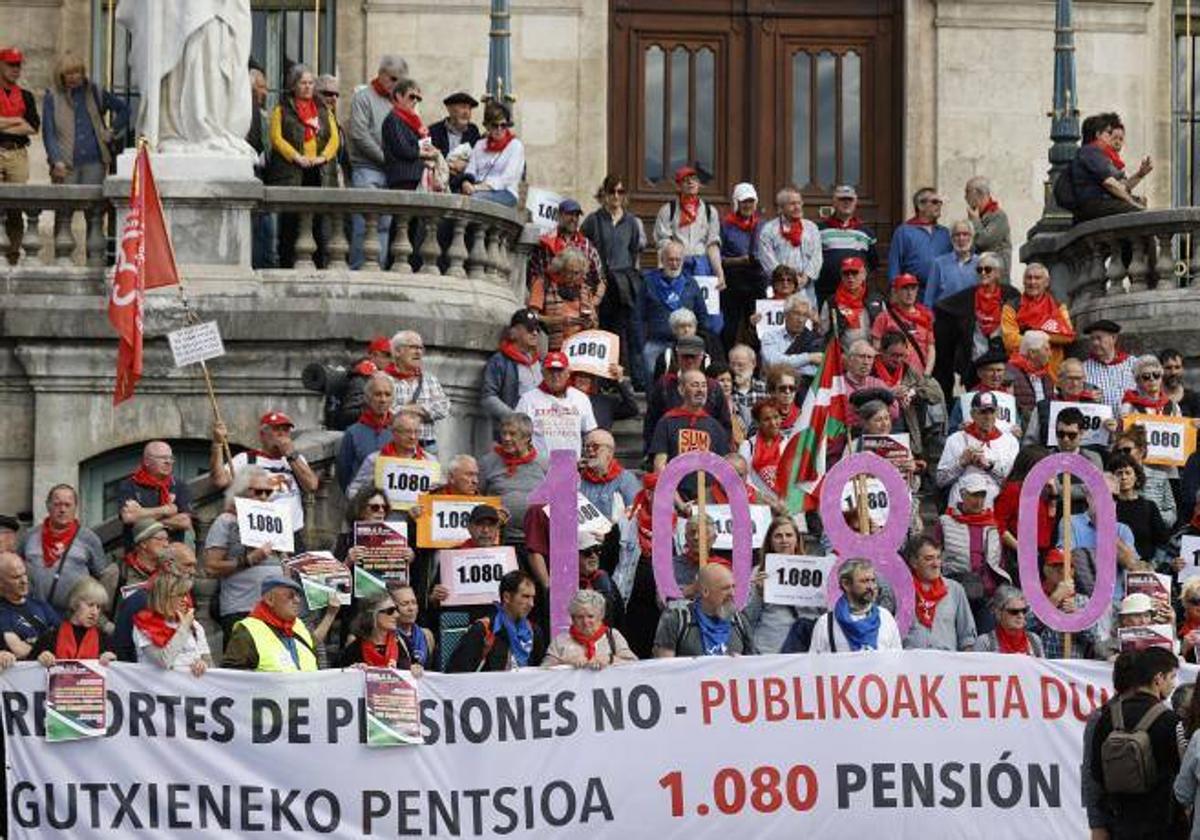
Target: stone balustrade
x=65, y=202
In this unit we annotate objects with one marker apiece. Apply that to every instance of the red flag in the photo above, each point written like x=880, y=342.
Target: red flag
x=144, y=261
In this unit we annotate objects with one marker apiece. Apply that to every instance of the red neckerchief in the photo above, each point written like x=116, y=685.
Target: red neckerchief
x=12, y=102
x=589, y=581
x=513, y=462
x=919, y=222
x=1141, y=401
x=1039, y=314
x=1084, y=396
x=500, y=145
x=984, y=517
x=742, y=223
x=792, y=416
x=380, y=88
x=720, y=497
x=1189, y=626
x=389, y=450
x=155, y=627
x=991, y=207
x=974, y=431
x=642, y=514
x=306, y=110
x=881, y=371
x=838, y=224
x=928, y=596
x=689, y=209
x=592, y=477
x=556, y=243
x=163, y=485
x=1119, y=357
x=1011, y=641
x=793, y=233
x=543, y=387
x=67, y=647
x=371, y=655
x=766, y=454
x=267, y=616
x=1110, y=153
x=395, y=372
x=1022, y=363
x=373, y=421
x=692, y=416
x=411, y=119
x=511, y=351
x=987, y=308
x=55, y=542
x=919, y=317
x=851, y=305
x=589, y=642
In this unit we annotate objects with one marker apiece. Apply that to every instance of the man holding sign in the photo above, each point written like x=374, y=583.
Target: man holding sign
x=405, y=445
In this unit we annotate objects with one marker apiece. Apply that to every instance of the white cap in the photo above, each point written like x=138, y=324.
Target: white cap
x=588, y=539
x=744, y=191
x=1138, y=602
x=974, y=482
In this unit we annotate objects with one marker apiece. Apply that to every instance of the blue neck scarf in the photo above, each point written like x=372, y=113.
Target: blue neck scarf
x=862, y=634
x=669, y=291
x=418, y=649
x=714, y=632
x=519, y=635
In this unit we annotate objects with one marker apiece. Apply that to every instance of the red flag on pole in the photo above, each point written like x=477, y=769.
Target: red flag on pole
x=145, y=260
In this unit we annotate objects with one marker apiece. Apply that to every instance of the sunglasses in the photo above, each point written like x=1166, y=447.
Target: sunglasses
x=261, y=492
x=590, y=552
x=388, y=611
x=376, y=506
x=1125, y=450
x=1067, y=435
x=1147, y=377
x=1015, y=611
x=330, y=94
x=618, y=191
x=985, y=269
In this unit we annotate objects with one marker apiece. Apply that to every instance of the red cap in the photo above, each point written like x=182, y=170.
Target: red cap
x=276, y=418
x=11, y=55
x=1054, y=557
x=366, y=367
x=902, y=280
x=685, y=172
x=556, y=361
x=853, y=264
x=380, y=344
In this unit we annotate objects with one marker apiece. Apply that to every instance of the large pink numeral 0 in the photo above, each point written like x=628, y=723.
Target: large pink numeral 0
x=1106, y=542
x=664, y=509
x=560, y=490
x=881, y=549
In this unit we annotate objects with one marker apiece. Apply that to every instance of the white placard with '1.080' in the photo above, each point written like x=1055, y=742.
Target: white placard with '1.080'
x=795, y=580
x=708, y=291
x=262, y=523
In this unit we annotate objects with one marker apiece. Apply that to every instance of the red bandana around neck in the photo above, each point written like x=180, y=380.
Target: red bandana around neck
x=973, y=430
x=387, y=658
x=983, y=518
x=592, y=477
x=393, y=371
x=373, y=421
x=919, y=317
x=389, y=450
x=692, y=415
x=66, y=646
x=306, y=110
x=556, y=243
x=987, y=308
x=850, y=304
x=834, y=222
x=689, y=209
x=511, y=351
x=1011, y=641
x=542, y=386
x=12, y=103
x=411, y=119
x=143, y=478
x=380, y=88
x=499, y=145
x=919, y=222
x=1140, y=400
x=720, y=497
x=1189, y=627
x=155, y=627
x=589, y=642
x=882, y=371
x=928, y=596
x=55, y=542
x=792, y=232
x=991, y=206
x=1118, y=358
x=1039, y=314
x=1022, y=363
x=513, y=462
x=1110, y=153
x=267, y=616
x=792, y=416
x=742, y=223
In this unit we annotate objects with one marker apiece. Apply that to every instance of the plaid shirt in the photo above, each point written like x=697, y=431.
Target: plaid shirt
x=1112, y=380
x=745, y=400
x=1082, y=644
x=425, y=391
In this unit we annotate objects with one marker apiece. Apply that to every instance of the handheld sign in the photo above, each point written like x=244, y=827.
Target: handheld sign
x=1189, y=550
x=260, y=523
x=590, y=518
x=1093, y=432
x=403, y=480
x=797, y=580
x=878, y=502
x=321, y=575
x=195, y=344
x=722, y=517
x=473, y=574
x=1170, y=441
x=443, y=519
x=771, y=311
x=393, y=707
x=708, y=291
x=543, y=208
x=1006, y=409
x=75, y=701
x=593, y=351
x=381, y=556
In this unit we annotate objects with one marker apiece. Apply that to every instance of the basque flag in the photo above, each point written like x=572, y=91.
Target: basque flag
x=145, y=260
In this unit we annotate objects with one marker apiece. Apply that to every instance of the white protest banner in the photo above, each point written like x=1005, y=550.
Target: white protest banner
x=708, y=290
x=1094, y=415
x=443, y=519
x=771, y=311
x=1006, y=409
x=776, y=746
x=473, y=574
x=797, y=580
x=260, y=523
x=1169, y=440
x=722, y=517
x=543, y=208
x=403, y=480
x=593, y=351
x=195, y=344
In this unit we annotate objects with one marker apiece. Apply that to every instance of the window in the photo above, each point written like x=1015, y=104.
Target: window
x=1186, y=189
x=679, y=111
x=99, y=477
x=826, y=117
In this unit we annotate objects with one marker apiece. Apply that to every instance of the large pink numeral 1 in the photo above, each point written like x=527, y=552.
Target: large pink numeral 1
x=560, y=490
x=664, y=510
x=1106, y=542
x=881, y=549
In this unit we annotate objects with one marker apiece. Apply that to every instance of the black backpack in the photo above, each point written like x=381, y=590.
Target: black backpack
x=1064, y=187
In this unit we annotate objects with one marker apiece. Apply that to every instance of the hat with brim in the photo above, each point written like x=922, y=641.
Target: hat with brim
x=689, y=345
x=973, y=483
x=484, y=513
x=992, y=357
x=1103, y=325
x=275, y=582
x=11, y=55
x=1136, y=604
x=144, y=529
x=461, y=97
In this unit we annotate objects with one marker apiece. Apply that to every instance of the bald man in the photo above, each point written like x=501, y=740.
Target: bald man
x=22, y=617
x=601, y=474
x=153, y=492
x=709, y=625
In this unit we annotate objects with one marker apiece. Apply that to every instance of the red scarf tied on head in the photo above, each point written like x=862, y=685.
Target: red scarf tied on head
x=496, y=146
x=851, y=304
x=972, y=430
x=513, y=462
x=928, y=596
x=1011, y=641
x=306, y=110
x=1110, y=153
x=592, y=477
x=742, y=223
x=1145, y=402
x=793, y=232
x=373, y=421
x=155, y=627
x=509, y=350
x=589, y=642
x=267, y=616
x=689, y=209
x=55, y=542
x=987, y=308
x=143, y=478
x=387, y=658
x=12, y=103
x=1041, y=313
x=411, y=119
x=66, y=646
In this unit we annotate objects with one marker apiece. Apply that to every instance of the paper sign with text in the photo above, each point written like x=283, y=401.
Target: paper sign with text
x=260, y=523
x=382, y=560
x=1094, y=415
x=708, y=290
x=1189, y=550
x=1006, y=409
x=443, y=519
x=771, y=311
x=878, y=501
x=393, y=708
x=321, y=574
x=75, y=700
x=403, y=480
x=543, y=208
x=473, y=574
x=760, y=518
x=195, y=344
x=1169, y=440
x=795, y=580
x=593, y=351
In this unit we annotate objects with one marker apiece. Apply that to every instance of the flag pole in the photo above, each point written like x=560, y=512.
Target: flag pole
x=701, y=522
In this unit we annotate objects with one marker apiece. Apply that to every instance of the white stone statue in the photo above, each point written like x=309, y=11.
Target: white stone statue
x=189, y=61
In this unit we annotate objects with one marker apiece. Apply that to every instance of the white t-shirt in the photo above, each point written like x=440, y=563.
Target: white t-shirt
x=287, y=489
x=888, y=639
x=558, y=422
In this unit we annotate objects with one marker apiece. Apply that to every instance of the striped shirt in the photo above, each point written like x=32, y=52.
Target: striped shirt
x=1112, y=380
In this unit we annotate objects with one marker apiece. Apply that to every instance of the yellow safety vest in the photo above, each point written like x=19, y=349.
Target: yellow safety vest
x=273, y=655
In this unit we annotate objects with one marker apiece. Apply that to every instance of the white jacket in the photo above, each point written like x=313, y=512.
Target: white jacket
x=1001, y=453
x=889, y=634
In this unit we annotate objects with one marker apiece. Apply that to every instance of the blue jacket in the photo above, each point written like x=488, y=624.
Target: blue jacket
x=653, y=311
x=502, y=388
x=401, y=154
x=914, y=248
x=358, y=441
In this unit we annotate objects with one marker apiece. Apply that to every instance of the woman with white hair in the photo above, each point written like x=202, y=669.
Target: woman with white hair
x=561, y=298
x=1029, y=372
x=1010, y=636
x=1148, y=395
x=588, y=642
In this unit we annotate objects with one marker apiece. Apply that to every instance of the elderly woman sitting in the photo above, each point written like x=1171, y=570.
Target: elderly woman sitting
x=589, y=643
x=1148, y=396
x=1010, y=635
x=563, y=300
x=80, y=636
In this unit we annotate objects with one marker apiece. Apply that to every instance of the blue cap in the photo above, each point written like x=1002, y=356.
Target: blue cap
x=569, y=205
x=272, y=582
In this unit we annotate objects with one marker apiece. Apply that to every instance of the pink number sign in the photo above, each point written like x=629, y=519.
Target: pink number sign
x=560, y=490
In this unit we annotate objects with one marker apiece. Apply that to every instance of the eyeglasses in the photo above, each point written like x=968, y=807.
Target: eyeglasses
x=1126, y=450
x=377, y=507
x=1066, y=435
x=494, y=126
x=1015, y=611
x=415, y=97
x=985, y=269
x=388, y=611
x=787, y=389
x=932, y=201
x=261, y=492
x=1150, y=375
x=330, y=94
x=411, y=347
x=589, y=552
x=618, y=191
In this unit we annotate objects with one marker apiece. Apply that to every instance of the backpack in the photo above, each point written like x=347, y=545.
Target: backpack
x=685, y=624
x=1126, y=756
x=1064, y=187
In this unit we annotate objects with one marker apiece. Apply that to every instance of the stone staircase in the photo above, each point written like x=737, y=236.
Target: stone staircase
x=628, y=435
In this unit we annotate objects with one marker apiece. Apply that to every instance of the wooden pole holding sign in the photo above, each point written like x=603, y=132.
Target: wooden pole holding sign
x=702, y=521
x=860, y=497
x=1068, y=540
